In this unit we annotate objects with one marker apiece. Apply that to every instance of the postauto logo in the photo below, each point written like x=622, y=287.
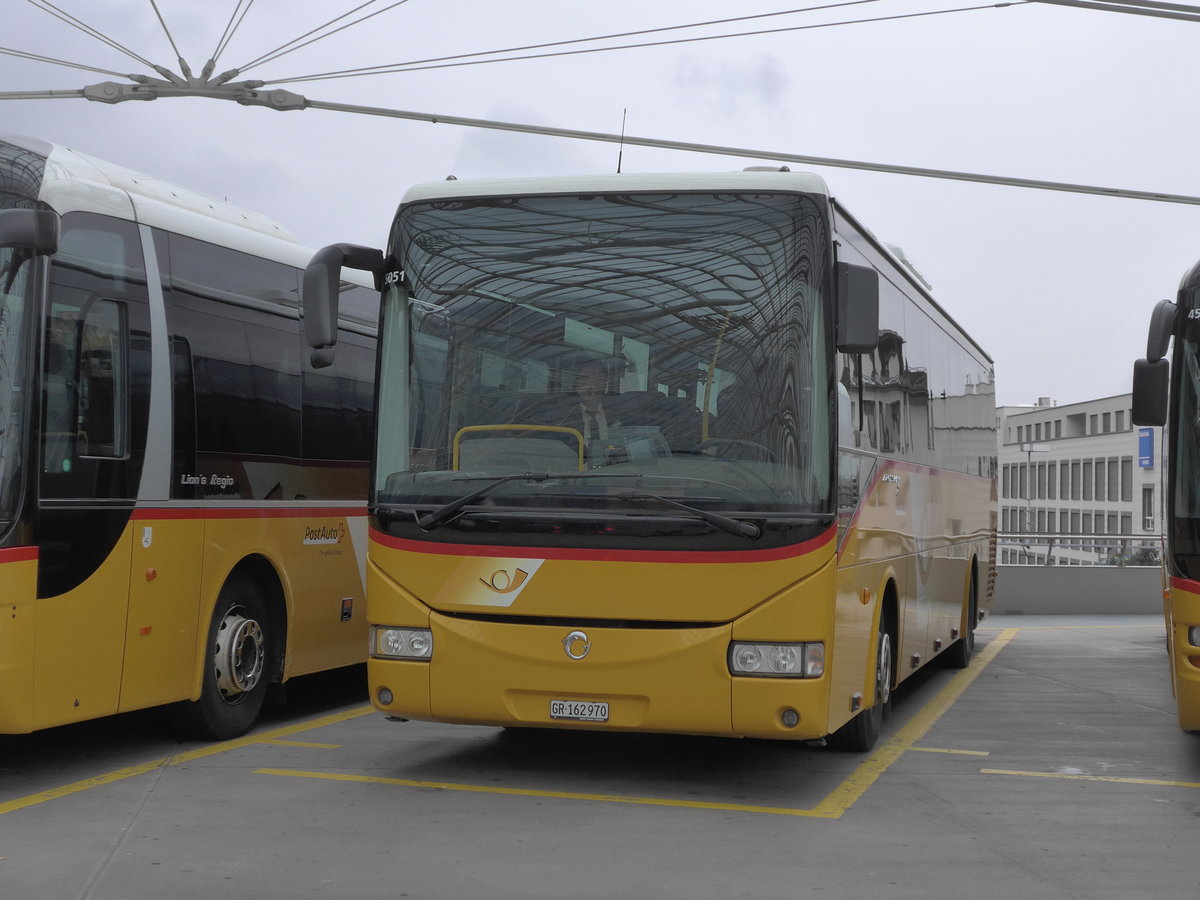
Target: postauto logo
x=324, y=534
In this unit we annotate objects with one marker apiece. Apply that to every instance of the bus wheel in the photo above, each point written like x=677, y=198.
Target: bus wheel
x=860, y=733
x=235, y=667
x=958, y=655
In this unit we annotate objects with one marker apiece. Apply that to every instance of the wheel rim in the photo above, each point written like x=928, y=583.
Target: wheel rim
x=883, y=670
x=240, y=657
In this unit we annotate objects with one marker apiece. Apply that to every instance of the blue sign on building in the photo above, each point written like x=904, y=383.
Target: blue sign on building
x=1146, y=448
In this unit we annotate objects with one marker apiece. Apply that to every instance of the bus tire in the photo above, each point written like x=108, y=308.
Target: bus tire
x=860, y=733
x=958, y=655
x=236, y=666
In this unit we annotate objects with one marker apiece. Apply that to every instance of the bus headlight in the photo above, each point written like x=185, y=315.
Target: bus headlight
x=390, y=642
x=799, y=660
x=1194, y=635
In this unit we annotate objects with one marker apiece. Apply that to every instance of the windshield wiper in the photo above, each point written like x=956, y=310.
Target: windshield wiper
x=435, y=518
x=725, y=523
x=441, y=514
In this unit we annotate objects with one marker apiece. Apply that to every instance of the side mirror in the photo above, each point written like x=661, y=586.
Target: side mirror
x=320, y=291
x=857, y=308
x=1150, y=384
x=30, y=229
x=1162, y=326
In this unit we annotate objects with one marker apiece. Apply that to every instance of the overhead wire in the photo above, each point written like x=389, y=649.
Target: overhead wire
x=231, y=27
x=52, y=10
x=1155, y=10
x=420, y=66
x=387, y=67
x=166, y=30
x=23, y=54
x=287, y=48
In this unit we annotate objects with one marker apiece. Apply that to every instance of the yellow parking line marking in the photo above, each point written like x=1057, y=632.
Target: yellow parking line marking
x=1112, y=779
x=313, y=744
x=832, y=807
x=848, y=792
x=954, y=752
x=530, y=792
x=178, y=758
x=1155, y=624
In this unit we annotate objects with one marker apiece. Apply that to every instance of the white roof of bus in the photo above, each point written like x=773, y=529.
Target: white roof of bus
x=67, y=164
x=772, y=181
x=76, y=181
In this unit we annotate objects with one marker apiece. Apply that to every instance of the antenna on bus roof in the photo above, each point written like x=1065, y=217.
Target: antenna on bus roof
x=621, y=146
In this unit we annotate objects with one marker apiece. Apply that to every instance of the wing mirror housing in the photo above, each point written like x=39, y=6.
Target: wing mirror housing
x=857, y=308
x=36, y=230
x=321, y=289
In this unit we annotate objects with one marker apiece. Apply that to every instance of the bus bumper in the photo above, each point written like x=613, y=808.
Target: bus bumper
x=625, y=679
x=1185, y=616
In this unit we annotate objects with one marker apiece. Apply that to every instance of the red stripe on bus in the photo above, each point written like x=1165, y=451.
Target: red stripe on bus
x=580, y=553
x=159, y=513
x=18, y=554
x=1186, y=584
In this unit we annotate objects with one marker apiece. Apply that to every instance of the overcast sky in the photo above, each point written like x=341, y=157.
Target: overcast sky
x=1057, y=287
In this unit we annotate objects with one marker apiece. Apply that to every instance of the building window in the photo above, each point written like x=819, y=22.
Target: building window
x=1107, y=422
x=1087, y=479
x=1120, y=420
x=1126, y=479
x=1037, y=429
x=1101, y=480
x=1148, y=507
x=1058, y=428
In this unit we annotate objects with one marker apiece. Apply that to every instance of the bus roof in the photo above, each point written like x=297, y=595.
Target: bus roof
x=775, y=180
x=67, y=166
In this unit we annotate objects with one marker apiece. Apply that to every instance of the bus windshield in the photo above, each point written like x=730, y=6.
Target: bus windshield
x=14, y=280
x=1185, y=539
x=640, y=346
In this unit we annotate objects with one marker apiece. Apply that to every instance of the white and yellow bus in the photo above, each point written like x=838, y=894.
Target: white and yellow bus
x=682, y=453
x=1168, y=393
x=182, y=496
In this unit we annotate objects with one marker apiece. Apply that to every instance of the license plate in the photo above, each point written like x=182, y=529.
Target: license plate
x=579, y=710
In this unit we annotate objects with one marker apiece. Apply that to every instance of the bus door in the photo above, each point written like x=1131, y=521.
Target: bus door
x=94, y=408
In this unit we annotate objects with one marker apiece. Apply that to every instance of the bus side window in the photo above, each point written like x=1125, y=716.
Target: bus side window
x=103, y=385
x=58, y=392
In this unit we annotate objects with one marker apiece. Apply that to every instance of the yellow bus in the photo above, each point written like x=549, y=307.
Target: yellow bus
x=1169, y=394
x=182, y=496
x=686, y=453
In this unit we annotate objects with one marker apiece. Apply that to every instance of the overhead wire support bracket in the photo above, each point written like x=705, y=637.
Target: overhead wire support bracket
x=246, y=93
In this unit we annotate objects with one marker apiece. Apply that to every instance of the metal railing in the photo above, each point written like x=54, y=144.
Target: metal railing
x=1035, y=549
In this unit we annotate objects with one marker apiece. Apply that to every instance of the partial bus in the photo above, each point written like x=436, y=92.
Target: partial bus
x=684, y=453
x=182, y=496
x=1168, y=393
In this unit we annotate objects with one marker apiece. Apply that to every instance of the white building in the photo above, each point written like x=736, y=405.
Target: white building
x=1078, y=484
